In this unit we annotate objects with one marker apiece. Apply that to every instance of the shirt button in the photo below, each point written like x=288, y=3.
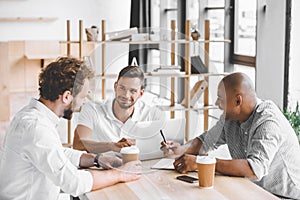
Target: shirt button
x=245, y=151
x=246, y=133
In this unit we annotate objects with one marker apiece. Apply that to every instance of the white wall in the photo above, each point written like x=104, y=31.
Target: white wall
x=270, y=50
x=116, y=12
x=294, y=81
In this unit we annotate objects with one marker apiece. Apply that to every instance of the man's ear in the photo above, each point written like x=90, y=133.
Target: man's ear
x=238, y=100
x=67, y=97
x=115, y=86
x=142, y=92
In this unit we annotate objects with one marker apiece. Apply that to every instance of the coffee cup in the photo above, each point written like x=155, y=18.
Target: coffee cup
x=206, y=171
x=129, y=153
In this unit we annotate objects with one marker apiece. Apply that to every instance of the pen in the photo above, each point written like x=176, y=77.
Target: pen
x=162, y=135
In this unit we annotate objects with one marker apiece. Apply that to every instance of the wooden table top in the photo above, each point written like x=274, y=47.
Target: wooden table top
x=162, y=184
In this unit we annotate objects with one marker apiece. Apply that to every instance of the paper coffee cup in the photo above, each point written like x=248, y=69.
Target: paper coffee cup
x=206, y=171
x=130, y=153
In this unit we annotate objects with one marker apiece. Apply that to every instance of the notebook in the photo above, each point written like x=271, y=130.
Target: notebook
x=164, y=163
x=148, y=137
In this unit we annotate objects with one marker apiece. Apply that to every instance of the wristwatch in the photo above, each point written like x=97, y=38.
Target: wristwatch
x=96, y=161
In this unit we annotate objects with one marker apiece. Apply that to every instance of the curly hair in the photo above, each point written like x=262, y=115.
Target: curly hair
x=61, y=75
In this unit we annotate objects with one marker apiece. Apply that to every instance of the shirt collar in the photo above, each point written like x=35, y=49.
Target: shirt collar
x=109, y=109
x=248, y=122
x=35, y=103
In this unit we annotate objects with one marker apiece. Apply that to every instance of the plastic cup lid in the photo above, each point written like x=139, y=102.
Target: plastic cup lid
x=205, y=160
x=130, y=150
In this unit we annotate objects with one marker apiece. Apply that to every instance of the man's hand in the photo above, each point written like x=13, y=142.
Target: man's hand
x=185, y=163
x=124, y=142
x=171, y=149
x=130, y=171
x=109, y=162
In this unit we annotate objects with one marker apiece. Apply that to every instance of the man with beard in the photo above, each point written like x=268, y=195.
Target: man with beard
x=262, y=143
x=34, y=164
x=100, y=124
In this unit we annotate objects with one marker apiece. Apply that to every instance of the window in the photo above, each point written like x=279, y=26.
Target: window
x=244, y=32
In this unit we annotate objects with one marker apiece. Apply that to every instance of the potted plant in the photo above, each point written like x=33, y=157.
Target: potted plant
x=294, y=118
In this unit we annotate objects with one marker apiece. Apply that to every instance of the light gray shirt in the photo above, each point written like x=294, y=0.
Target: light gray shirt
x=269, y=144
x=33, y=162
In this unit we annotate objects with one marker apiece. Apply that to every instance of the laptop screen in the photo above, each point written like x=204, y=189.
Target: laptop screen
x=148, y=137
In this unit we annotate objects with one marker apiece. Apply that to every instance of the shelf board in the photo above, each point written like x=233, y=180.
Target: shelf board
x=165, y=74
x=149, y=75
x=210, y=74
x=177, y=107
x=181, y=41
x=41, y=56
x=209, y=107
x=27, y=19
x=150, y=41
x=70, y=42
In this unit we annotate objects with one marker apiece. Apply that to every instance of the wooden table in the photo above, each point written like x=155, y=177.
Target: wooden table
x=162, y=184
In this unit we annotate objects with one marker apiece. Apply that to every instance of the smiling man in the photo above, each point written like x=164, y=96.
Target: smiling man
x=262, y=143
x=100, y=124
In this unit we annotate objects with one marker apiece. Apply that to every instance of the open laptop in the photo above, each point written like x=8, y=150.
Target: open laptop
x=148, y=137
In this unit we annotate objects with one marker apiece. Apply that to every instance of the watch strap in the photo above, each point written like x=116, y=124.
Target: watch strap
x=96, y=161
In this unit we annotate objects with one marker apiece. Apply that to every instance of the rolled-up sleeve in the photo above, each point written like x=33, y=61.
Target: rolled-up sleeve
x=263, y=147
x=74, y=155
x=214, y=137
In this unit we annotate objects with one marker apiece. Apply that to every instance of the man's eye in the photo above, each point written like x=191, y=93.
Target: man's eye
x=133, y=91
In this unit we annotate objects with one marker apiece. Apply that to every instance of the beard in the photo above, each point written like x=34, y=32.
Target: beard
x=68, y=114
x=120, y=101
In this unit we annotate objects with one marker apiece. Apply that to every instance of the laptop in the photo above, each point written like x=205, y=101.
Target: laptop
x=148, y=137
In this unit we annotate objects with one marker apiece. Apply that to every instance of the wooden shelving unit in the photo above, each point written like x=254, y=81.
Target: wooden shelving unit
x=187, y=66
x=28, y=19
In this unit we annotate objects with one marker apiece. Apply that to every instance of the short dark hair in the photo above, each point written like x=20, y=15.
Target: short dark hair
x=61, y=75
x=132, y=72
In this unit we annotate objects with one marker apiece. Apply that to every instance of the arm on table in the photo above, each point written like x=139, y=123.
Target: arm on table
x=129, y=172
x=187, y=162
x=83, y=141
x=238, y=167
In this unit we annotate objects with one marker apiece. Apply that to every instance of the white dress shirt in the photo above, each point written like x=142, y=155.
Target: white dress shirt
x=106, y=127
x=33, y=163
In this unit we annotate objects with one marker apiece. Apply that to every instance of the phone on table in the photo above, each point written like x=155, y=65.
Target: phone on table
x=188, y=179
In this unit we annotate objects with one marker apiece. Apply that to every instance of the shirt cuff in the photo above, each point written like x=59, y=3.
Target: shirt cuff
x=74, y=155
x=257, y=169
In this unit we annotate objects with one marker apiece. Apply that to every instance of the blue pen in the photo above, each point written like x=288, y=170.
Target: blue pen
x=162, y=135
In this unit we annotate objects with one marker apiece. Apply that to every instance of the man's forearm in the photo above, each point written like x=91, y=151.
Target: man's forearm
x=239, y=167
x=193, y=147
x=87, y=160
x=111, y=177
x=97, y=147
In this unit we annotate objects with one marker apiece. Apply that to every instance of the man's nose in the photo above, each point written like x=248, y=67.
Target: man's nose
x=127, y=93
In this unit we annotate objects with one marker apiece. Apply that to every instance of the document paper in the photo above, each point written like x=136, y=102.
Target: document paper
x=164, y=163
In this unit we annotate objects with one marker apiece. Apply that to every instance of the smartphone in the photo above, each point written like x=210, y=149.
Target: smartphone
x=188, y=179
